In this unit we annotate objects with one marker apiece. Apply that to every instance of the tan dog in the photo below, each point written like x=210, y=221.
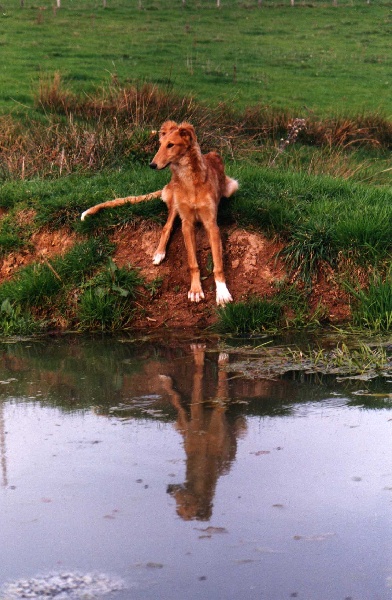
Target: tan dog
x=198, y=183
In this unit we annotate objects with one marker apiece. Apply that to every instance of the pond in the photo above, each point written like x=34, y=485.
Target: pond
x=149, y=469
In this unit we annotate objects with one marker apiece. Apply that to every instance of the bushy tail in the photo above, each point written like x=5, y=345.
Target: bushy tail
x=120, y=202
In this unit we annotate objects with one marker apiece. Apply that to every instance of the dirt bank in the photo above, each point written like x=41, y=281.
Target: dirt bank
x=251, y=266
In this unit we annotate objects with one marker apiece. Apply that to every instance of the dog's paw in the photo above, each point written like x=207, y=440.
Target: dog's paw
x=223, y=358
x=223, y=295
x=158, y=258
x=195, y=296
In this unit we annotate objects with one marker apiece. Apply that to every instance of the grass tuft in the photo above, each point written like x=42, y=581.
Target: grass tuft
x=253, y=316
x=39, y=283
x=306, y=250
x=106, y=304
x=373, y=305
x=16, y=321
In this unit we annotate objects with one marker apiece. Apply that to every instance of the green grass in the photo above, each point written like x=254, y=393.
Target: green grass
x=79, y=134
x=40, y=283
x=318, y=216
x=106, y=303
x=254, y=316
x=372, y=306
x=17, y=321
x=314, y=56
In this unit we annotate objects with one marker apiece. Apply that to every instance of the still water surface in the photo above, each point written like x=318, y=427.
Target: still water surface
x=153, y=463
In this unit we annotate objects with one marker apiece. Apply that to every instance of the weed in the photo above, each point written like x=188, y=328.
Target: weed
x=154, y=286
x=294, y=128
x=253, y=316
x=38, y=283
x=15, y=321
x=342, y=359
x=306, y=250
x=372, y=307
x=106, y=303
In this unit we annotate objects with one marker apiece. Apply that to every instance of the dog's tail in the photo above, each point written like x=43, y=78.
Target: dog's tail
x=120, y=202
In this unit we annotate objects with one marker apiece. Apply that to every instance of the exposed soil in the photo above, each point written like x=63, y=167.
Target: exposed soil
x=251, y=268
x=43, y=245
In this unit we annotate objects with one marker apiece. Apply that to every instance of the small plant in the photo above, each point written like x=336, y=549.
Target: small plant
x=15, y=321
x=106, y=304
x=154, y=286
x=256, y=315
x=373, y=306
x=294, y=128
x=305, y=251
x=342, y=360
x=39, y=282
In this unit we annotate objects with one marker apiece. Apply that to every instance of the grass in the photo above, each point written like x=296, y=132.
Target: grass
x=355, y=360
x=106, y=303
x=254, y=316
x=342, y=359
x=316, y=55
x=76, y=121
x=16, y=321
x=41, y=288
x=372, y=306
x=319, y=217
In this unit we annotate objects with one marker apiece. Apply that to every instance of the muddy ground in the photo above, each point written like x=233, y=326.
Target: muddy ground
x=251, y=267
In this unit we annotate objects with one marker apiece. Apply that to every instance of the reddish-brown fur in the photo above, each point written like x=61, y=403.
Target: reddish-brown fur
x=198, y=183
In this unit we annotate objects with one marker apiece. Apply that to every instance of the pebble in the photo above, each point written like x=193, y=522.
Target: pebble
x=62, y=586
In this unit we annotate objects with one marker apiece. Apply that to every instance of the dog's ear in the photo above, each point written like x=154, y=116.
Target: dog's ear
x=166, y=128
x=187, y=132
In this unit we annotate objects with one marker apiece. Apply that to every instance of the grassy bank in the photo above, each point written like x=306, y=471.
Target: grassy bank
x=303, y=122
x=320, y=220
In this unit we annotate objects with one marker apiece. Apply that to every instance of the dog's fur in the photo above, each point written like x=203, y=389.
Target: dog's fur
x=198, y=183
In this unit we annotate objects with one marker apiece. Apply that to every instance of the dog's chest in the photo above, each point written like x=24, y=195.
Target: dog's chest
x=192, y=204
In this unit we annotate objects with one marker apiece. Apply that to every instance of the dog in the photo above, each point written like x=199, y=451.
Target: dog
x=197, y=184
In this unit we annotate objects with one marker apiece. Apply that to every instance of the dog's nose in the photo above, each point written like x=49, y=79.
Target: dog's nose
x=153, y=165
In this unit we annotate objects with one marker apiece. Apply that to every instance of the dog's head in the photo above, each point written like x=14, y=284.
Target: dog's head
x=166, y=128
x=175, y=141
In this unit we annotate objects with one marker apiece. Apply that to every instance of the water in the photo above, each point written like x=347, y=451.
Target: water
x=153, y=464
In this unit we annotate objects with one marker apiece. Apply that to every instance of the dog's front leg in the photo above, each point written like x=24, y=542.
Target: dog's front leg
x=160, y=252
x=195, y=294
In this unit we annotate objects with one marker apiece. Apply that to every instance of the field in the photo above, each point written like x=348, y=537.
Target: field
x=82, y=86
x=311, y=57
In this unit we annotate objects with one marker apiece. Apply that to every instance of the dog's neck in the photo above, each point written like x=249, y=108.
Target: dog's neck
x=191, y=166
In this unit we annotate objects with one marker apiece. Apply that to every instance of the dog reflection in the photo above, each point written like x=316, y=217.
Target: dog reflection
x=210, y=441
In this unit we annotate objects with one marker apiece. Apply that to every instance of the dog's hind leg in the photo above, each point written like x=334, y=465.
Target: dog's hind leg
x=223, y=295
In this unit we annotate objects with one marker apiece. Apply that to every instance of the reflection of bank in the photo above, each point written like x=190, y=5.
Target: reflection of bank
x=3, y=454
x=210, y=440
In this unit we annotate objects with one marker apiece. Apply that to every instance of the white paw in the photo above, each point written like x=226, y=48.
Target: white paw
x=223, y=358
x=195, y=296
x=223, y=295
x=158, y=258
x=83, y=215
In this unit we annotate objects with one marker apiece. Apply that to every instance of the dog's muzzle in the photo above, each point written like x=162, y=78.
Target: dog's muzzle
x=153, y=165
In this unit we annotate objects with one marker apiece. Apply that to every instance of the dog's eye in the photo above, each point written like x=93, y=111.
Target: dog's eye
x=170, y=145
